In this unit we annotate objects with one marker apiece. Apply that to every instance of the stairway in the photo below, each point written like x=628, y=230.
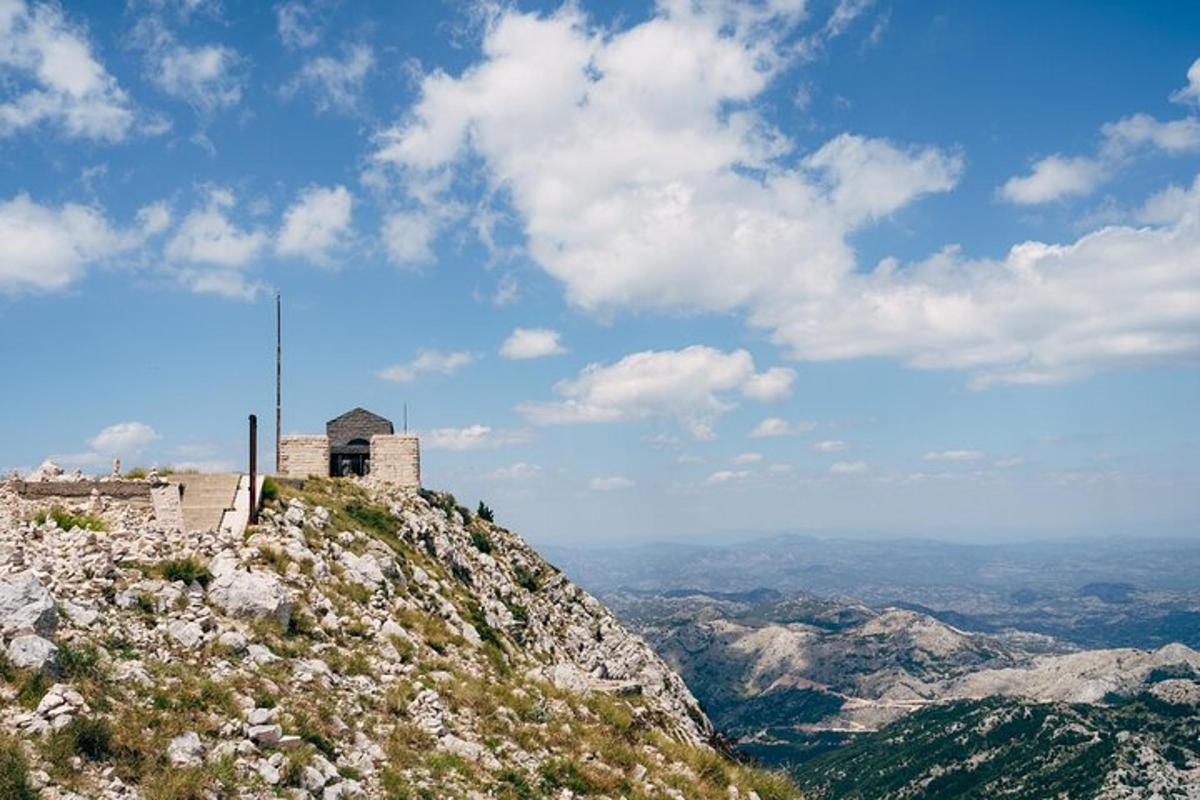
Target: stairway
x=206, y=498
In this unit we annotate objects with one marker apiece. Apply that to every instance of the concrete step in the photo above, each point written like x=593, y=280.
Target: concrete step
x=205, y=498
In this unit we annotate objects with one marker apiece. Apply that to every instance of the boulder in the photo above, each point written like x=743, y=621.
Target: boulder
x=257, y=595
x=186, y=750
x=186, y=634
x=30, y=651
x=26, y=605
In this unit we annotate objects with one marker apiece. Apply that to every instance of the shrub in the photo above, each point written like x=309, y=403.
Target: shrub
x=481, y=540
x=188, y=570
x=14, y=772
x=136, y=474
x=485, y=513
x=526, y=579
x=373, y=517
x=67, y=520
x=32, y=688
x=270, y=490
x=78, y=662
x=85, y=737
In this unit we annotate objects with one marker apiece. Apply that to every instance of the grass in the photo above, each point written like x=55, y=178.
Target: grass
x=86, y=737
x=14, y=772
x=78, y=662
x=68, y=520
x=270, y=490
x=187, y=570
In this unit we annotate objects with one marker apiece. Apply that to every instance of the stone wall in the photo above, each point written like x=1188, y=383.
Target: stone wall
x=132, y=490
x=303, y=456
x=396, y=459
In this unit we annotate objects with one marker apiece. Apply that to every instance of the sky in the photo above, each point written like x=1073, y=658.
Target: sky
x=692, y=270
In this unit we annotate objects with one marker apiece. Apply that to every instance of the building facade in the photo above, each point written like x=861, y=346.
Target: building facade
x=358, y=442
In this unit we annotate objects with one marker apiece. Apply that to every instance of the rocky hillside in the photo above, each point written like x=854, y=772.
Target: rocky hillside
x=1147, y=746
x=360, y=642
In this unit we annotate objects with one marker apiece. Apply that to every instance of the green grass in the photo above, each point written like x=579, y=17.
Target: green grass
x=67, y=520
x=83, y=736
x=14, y=772
x=187, y=570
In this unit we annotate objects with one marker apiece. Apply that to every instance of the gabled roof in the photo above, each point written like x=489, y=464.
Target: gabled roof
x=357, y=423
x=359, y=412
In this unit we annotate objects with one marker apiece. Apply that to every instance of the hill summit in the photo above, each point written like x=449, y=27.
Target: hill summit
x=361, y=641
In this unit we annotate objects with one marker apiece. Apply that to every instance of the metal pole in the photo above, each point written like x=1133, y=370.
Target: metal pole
x=253, y=469
x=278, y=385
x=406, y=417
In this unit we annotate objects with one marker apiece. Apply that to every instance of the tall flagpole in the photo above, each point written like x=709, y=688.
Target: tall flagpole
x=278, y=386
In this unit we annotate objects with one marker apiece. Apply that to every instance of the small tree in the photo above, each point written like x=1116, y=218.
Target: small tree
x=484, y=513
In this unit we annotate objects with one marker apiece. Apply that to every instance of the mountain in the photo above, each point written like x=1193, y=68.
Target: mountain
x=827, y=687
x=360, y=641
x=1147, y=746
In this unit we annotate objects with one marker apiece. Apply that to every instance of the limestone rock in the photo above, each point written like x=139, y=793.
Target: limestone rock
x=30, y=651
x=186, y=750
x=256, y=595
x=26, y=605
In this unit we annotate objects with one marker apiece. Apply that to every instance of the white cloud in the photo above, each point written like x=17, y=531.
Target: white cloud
x=123, y=439
x=207, y=236
x=526, y=343
x=1191, y=92
x=298, y=23
x=1008, y=463
x=746, y=458
x=848, y=468
x=1054, y=177
x=428, y=362
x=830, y=446
x=774, y=426
x=51, y=76
x=643, y=176
x=333, y=83
x=472, y=437
x=1059, y=176
x=208, y=77
x=610, y=484
x=954, y=455
x=726, y=476
x=688, y=458
x=692, y=385
x=516, y=472
x=407, y=237
x=317, y=224
x=774, y=384
x=43, y=248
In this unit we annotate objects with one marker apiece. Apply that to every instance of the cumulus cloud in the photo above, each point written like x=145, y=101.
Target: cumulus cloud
x=747, y=458
x=210, y=251
x=1054, y=177
x=848, y=468
x=774, y=384
x=643, y=176
x=516, y=472
x=526, y=343
x=612, y=483
x=407, y=237
x=428, y=362
x=726, y=476
x=207, y=77
x=51, y=77
x=123, y=439
x=46, y=248
x=692, y=385
x=472, y=437
x=1059, y=176
x=774, y=426
x=316, y=226
x=334, y=83
x=1191, y=92
x=954, y=455
x=830, y=446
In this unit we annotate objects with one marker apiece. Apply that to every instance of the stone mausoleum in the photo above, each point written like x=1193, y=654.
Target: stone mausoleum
x=358, y=442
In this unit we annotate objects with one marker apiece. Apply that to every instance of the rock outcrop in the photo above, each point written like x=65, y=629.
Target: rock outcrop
x=361, y=641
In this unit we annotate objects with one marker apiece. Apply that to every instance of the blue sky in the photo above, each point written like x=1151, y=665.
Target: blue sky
x=692, y=271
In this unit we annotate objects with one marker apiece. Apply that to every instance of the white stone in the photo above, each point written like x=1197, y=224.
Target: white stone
x=186, y=634
x=31, y=651
x=260, y=716
x=257, y=595
x=26, y=605
x=186, y=750
x=265, y=735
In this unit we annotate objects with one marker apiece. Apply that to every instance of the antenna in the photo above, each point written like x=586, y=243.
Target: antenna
x=278, y=385
x=406, y=417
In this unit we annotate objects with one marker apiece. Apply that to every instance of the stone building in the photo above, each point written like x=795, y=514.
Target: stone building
x=358, y=442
